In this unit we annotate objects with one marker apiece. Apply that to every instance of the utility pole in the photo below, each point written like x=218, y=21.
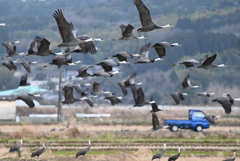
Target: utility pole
x=59, y=118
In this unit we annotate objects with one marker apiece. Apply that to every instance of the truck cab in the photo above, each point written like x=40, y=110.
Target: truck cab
x=195, y=122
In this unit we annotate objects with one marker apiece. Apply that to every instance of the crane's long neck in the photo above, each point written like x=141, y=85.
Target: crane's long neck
x=176, y=44
x=21, y=142
x=106, y=92
x=141, y=37
x=195, y=86
x=179, y=151
x=115, y=72
x=120, y=97
x=152, y=102
x=166, y=26
x=212, y=93
x=3, y=24
x=236, y=99
x=86, y=84
x=221, y=65
x=90, y=39
x=140, y=83
x=89, y=145
x=157, y=59
x=97, y=39
x=234, y=154
x=164, y=147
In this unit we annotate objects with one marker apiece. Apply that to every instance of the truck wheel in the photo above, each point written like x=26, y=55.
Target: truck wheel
x=174, y=128
x=199, y=128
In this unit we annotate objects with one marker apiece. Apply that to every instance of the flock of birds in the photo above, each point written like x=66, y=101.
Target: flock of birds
x=85, y=44
x=83, y=152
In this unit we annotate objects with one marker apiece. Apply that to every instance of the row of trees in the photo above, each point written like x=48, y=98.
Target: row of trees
x=203, y=24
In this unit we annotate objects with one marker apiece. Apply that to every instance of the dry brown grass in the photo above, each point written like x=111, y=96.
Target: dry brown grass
x=24, y=132
x=73, y=132
x=84, y=130
x=97, y=127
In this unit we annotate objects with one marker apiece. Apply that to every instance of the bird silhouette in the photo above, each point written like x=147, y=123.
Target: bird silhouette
x=39, y=152
x=84, y=151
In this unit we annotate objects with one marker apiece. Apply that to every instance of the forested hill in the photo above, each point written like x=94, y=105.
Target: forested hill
x=201, y=26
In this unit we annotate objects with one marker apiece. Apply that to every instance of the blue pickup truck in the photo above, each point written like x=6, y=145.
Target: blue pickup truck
x=195, y=122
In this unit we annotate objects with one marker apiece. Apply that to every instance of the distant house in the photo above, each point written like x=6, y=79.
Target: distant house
x=53, y=75
x=7, y=108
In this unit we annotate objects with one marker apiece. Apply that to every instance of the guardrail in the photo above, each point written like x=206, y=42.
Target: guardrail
x=93, y=115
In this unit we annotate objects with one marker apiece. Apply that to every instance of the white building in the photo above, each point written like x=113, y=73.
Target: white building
x=7, y=108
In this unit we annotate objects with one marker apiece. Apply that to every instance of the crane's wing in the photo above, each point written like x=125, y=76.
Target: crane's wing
x=38, y=39
x=26, y=66
x=64, y=27
x=9, y=48
x=124, y=90
x=82, y=72
x=39, y=152
x=128, y=30
x=77, y=87
x=88, y=47
x=161, y=52
x=186, y=81
x=130, y=80
x=31, y=47
x=123, y=28
x=210, y=119
x=180, y=96
x=227, y=107
x=145, y=50
x=43, y=47
x=174, y=157
x=15, y=148
x=121, y=58
x=155, y=121
x=144, y=13
x=107, y=68
x=226, y=104
x=81, y=152
x=175, y=98
x=159, y=155
x=209, y=60
x=82, y=69
x=203, y=59
x=90, y=103
x=140, y=96
x=85, y=92
x=134, y=93
x=10, y=65
x=23, y=80
x=28, y=100
x=190, y=62
x=114, y=100
x=68, y=92
x=96, y=87
x=228, y=96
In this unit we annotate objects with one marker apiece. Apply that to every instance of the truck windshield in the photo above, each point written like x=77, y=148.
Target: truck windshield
x=190, y=115
x=199, y=114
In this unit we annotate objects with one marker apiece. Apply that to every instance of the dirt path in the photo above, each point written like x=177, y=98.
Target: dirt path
x=92, y=128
